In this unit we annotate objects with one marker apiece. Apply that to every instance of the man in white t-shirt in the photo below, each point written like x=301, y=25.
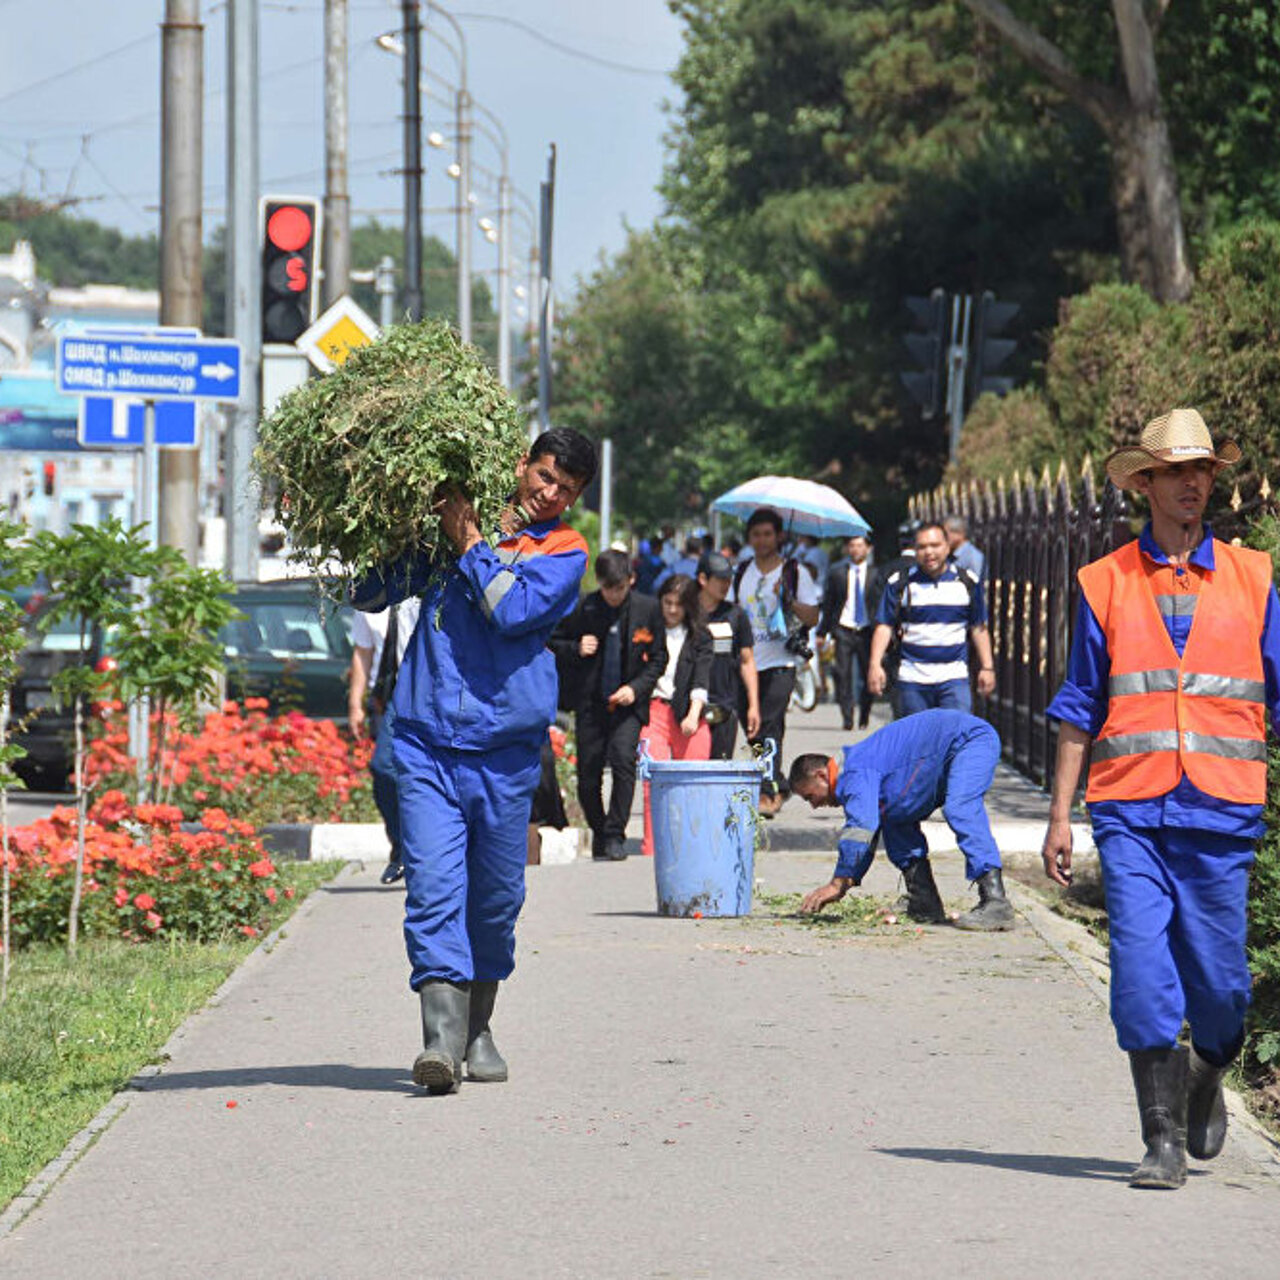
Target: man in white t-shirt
x=780, y=598
x=373, y=678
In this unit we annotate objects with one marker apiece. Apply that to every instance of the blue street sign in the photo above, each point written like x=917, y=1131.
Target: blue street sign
x=107, y=423
x=149, y=368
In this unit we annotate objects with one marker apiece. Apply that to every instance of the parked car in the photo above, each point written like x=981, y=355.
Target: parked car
x=44, y=729
x=289, y=649
x=285, y=648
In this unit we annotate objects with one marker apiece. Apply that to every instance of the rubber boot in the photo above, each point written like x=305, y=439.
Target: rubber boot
x=923, y=902
x=994, y=911
x=484, y=1062
x=1206, y=1108
x=1160, y=1078
x=438, y=1068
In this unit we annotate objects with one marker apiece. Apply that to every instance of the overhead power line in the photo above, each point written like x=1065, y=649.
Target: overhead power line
x=150, y=38
x=535, y=34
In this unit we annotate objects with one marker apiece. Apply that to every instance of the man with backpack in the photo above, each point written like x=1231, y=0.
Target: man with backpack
x=933, y=608
x=781, y=601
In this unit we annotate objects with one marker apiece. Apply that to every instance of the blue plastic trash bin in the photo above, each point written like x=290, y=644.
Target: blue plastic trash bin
x=704, y=833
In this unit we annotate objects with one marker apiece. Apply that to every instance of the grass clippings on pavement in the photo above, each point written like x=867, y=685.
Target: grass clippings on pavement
x=74, y=1034
x=854, y=914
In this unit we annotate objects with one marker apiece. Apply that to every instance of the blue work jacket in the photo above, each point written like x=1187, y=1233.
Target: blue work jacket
x=478, y=674
x=896, y=776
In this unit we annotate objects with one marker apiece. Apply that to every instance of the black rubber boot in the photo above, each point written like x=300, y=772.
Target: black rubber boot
x=1160, y=1078
x=445, y=1006
x=924, y=903
x=484, y=1062
x=1206, y=1108
x=994, y=911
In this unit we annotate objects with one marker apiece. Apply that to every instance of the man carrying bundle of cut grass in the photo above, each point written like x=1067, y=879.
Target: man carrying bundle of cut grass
x=475, y=696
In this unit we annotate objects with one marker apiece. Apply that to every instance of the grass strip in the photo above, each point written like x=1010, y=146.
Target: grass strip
x=72, y=1035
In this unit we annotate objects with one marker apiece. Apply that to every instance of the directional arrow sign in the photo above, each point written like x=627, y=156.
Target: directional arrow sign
x=149, y=368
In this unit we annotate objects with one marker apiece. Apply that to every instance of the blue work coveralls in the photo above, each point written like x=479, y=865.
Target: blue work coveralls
x=894, y=779
x=474, y=699
x=1175, y=868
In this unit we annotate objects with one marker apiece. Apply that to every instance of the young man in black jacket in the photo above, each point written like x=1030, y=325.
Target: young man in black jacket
x=616, y=642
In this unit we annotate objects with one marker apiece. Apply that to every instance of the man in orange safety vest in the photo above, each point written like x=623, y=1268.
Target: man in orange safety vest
x=1175, y=662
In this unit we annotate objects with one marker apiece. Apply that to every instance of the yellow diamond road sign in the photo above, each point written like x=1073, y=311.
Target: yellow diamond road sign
x=342, y=329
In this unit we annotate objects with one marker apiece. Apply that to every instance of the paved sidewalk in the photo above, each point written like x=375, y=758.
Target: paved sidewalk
x=734, y=1098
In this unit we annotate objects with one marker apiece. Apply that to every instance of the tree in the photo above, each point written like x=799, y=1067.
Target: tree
x=1145, y=185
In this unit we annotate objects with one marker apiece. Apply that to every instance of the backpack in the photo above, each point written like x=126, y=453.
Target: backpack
x=789, y=583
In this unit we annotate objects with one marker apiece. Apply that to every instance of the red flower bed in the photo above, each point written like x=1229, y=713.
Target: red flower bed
x=143, y=876
x=245, y=764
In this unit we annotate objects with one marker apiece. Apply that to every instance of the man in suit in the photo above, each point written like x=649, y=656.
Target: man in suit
x=619, y=640
x=848, y=616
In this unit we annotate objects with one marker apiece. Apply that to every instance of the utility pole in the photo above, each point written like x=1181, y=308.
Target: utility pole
x=464, y=211
x=545, y=299
x=957, y=363
x=181, y=247
x=504, y=278
x=412, y=159
x=384, y=283
x=336, y=252
x=244, y=286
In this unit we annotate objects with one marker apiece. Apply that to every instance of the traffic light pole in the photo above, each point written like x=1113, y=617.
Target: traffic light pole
x=957, y=363
x=244, y=287
x=181, y=226
x=412, y=160
x=336, y=254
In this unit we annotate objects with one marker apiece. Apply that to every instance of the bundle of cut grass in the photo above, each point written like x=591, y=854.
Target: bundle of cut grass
x=356, y=461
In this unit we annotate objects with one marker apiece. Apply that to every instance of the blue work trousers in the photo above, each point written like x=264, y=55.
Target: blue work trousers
x=969, y=774
x=1176, y=911
x=464, y=819
x=950, y=695
x=382, y=767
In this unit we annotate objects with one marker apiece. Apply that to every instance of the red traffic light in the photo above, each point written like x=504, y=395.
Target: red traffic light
x=50, y=475
x=289, y=228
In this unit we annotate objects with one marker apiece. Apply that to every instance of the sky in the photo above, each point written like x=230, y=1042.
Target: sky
x=80, y=98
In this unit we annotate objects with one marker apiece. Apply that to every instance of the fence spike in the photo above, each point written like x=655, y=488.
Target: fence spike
x=1236, y=500
x=1086, y=467
x=1264, y=489
x=1062, y=471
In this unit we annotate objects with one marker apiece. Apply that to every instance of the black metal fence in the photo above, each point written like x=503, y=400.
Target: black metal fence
x=1035, y=534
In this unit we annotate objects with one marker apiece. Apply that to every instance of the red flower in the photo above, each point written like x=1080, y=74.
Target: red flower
x=248, y=930
x=144, y=902
x=255, y=704
x=122, y=896
x=153, y=921
x=262, y=868
x=271, y=895
x=215, y=819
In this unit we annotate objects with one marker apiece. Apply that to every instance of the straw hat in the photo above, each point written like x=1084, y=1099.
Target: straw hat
x=1179, y=436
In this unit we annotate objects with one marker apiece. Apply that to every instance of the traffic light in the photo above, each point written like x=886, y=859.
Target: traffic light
x=989, y=350
x=290, y=235
x=50, y=478
x=928, y=347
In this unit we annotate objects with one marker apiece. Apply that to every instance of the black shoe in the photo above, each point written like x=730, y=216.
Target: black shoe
x=994, y=912
x=924, y=903
x=1206, y=1108
x=484, y=1062
x=615, y=850
x=393, y=871
x=446, y=1010
x=847, y=725
x=1160, y=1078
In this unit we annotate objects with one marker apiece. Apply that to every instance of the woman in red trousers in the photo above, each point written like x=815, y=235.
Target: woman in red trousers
x=676, y=729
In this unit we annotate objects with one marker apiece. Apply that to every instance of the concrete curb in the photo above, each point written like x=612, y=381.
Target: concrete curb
x=31, y=1195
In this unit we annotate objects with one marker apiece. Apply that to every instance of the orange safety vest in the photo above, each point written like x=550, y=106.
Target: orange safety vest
x=1202, y=714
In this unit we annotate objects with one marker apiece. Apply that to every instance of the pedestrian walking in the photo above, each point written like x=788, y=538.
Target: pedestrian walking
x=475, y=696
x=734, y=688
x=618, y=638
x=378, y=645
x=888, y=784
x=848, y=613
x=933, y=610
x=963, y=552
x=781, y=600
x=1174, y=664
x=676, y=729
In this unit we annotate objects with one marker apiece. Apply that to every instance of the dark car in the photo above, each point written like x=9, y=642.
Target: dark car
x=286, y=648
x=289, y=648
x=41, y=727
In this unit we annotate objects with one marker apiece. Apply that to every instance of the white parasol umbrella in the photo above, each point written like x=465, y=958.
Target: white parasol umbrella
x=804, y=505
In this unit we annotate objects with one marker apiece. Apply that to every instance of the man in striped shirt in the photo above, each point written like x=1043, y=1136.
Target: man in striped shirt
x=934, y=608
